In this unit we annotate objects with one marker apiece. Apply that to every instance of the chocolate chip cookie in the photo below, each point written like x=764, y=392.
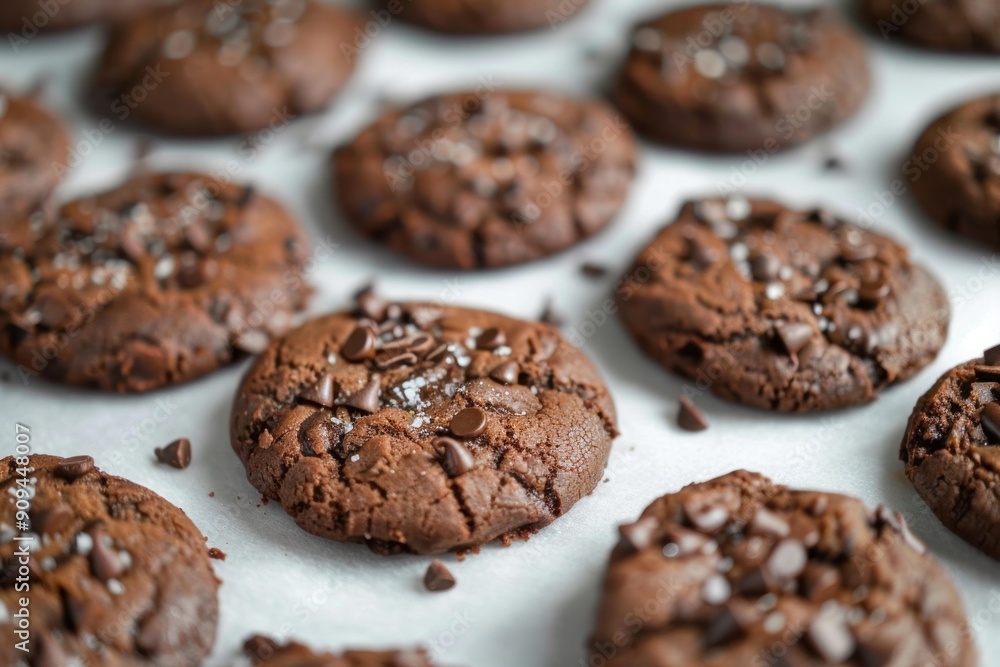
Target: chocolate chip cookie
x=207, y=68
x=741, y=77
x=957, y=160
x=422, y=428
x=946, y=25
x=952, y=451
x=265, y=652
x=486, y=17
x=24, y=18
x=739, y=571
x=158, y=281
x=33, y=147
x=781, y=309
x=486, y=178
x=118, y=576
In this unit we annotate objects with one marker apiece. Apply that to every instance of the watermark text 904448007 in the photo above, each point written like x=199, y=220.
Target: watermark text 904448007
x=22, y=493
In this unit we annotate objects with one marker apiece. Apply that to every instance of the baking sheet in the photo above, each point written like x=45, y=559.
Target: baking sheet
x=531, y=604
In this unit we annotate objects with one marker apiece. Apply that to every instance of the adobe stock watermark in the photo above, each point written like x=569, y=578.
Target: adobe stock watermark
x=901, y=13
x=563, y=12
x=33, y=23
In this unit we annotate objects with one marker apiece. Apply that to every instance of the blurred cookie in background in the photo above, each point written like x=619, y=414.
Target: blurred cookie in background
x=26, y=18
x=484, y=17
x=945, y=25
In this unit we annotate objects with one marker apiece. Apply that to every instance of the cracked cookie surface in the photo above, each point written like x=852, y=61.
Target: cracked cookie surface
x=740, y=571
x=159, y=281
x=206, y=68
x=489, y=17
x=265, y=652
x=741, y=77
x=782, y=309
x=952, y=451
x=486, y=178
x=422, y=428
x=958, y=159
x=118, y=575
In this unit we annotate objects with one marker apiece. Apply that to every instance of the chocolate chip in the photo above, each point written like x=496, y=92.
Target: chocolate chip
x=830, y=638
x=689, y=418
x=368, y=399
x=373, y=451
x=438, y=577
x=386, y=362
x=987, y=373
x=104, y=560
x=833, y=163
x=592, y=270
x=639, y=535
x=990, y=419
x=794, y=336
x=246, y=196
x=491, y=339
x=550, y=316
x=55, y=521
x=369, y=304
x=764, y=267
x=992, y=356
x=74, y=467
x=468, y=423
x=360, y=345
x=723, y=627
x=321, y=393
x=872, y=295
x=457, y=459
x=177, y=454
x=506, y=373
x=787, y=560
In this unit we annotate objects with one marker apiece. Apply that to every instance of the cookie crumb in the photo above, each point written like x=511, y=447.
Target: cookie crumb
x=216, y=554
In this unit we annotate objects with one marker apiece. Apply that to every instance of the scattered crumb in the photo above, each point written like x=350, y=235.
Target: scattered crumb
x=216, y=553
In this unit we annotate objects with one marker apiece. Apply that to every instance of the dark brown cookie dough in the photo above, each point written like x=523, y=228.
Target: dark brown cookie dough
x=946, y=25
x=952, y=451
x=158, y=281
x=118, y=576
x=210, y=68
x=779, y=308
x=739, y=572
x=486, y=179
x=423, y=428
x=34, y=152
x=958, y=161
x=486, y=17
x=27, y=17
x=265, y=652
x=740, y=77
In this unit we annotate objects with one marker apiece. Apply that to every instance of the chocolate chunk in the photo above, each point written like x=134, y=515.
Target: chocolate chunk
x=688, y=416
x=987, y=373
x=506, y=373
x=360, y=345
x=457, y=459
x=177, y=454
x=321, y=393
x=491, y=339
x=368, y=399
x=723, y=627
x=104, y=560
x=55, y=521
x=469, y=423
x=764, y=267
x=992, y=356
x=639, y=535
x=384, y=363
x=438, y=577
x=990, y=420
x=794, y=336
x=370, y=304
x=550, y=316
x=74, y=467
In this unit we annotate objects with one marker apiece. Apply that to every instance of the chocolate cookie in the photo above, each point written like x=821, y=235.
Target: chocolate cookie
x=265, y=652
x=33, y=145
x=486, y=17
x=946, y=25
x=779, y=308
x=155, y=282
x=738, y=572
x=486, y=179
x=423, y=428
x=26, y=17
x=208, y=68
x=117, y=575
x=957, y=161
x=952, y=451
x=742, y=76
